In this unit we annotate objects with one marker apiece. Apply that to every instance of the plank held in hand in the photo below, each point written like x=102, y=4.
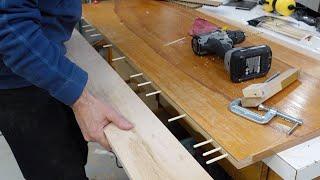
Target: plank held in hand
x=149, y=151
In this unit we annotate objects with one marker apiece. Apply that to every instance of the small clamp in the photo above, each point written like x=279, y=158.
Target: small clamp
x=235, y=107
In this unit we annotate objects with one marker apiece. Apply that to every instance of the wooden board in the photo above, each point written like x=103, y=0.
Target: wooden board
x=149, y=151
x=201, y=86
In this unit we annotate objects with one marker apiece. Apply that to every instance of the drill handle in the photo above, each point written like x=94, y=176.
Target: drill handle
x=216, y=46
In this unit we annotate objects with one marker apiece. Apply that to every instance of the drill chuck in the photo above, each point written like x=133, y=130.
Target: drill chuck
x=217, y=42
x=236, y=36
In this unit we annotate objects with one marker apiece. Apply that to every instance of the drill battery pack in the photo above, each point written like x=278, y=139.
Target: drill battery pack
x=248, y=63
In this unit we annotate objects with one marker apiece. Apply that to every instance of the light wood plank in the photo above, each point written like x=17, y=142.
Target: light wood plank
x=149, y=151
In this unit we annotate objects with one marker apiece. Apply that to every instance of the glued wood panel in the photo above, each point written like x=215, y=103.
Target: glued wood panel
x=149, y=151
x=200, y=86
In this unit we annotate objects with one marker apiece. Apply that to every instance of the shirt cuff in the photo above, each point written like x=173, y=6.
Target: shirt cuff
x=70, y=92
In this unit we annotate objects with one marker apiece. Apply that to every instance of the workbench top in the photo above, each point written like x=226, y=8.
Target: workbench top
x=200, y=86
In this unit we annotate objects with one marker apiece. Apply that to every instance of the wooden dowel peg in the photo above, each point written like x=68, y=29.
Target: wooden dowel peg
x=153, y=93
x=211, y=151
x=136, y=75
x=177, y=118
x=203, y=143
x=117, y=59
x=90, y=30
x=144, y=84
x=107, y=46
x=217, y=159
x=85, y=26
x=95, y=35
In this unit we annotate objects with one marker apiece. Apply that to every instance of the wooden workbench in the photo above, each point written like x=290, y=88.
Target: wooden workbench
x=200, y=87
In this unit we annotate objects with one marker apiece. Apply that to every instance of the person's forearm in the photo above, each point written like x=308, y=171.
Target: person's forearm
x=84, y=99
x=31, y=55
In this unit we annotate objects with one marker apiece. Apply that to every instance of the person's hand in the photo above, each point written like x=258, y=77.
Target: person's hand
x=93, y=115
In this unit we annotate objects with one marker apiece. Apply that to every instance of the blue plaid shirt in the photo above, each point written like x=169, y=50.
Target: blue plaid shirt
x=32, y=51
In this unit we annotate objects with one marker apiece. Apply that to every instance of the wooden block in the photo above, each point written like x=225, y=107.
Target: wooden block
x=256, y=94
x=254, y=90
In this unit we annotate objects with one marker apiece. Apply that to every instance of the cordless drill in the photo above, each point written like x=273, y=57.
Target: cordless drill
x=241, y=63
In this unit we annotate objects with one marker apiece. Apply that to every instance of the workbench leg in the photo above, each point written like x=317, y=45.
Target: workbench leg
x=109, y=55
x=158, y=101
x=264, y=172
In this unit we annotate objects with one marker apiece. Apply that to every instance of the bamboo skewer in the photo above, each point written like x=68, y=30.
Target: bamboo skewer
x=95, y=35
x=217, y=159
x=173, y=42
x=90, y=30
x=143, y=84
x=211, y=151
x=177, y=118
x=203, y=143
x=136, y=75
x=117, y=59
x=107, y=46
x=85, y=26
x=153, y=93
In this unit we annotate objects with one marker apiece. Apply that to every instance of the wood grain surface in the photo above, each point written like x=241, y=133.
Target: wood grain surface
x=149, y=151
x=200, y=85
